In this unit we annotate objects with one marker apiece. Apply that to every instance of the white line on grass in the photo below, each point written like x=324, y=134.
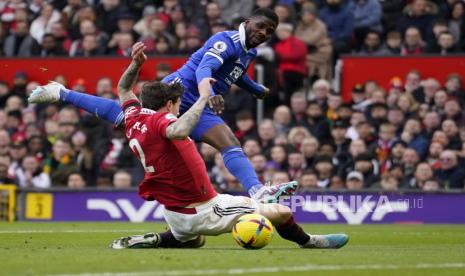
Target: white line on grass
x=277, y=269
x=69, y=231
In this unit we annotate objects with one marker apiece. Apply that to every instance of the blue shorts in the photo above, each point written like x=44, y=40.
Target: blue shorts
x=208, y=118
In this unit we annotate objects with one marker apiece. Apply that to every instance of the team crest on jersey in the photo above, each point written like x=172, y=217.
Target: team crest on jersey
x=220, y=46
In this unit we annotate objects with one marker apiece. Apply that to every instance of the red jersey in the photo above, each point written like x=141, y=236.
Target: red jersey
x=175, y=174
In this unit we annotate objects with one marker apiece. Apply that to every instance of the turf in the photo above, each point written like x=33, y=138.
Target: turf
x=81, y=248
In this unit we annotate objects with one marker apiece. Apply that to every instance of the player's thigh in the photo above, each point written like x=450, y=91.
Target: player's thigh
x=276, y=213
x=220, y=136
x=221, y=216
x=181, y=225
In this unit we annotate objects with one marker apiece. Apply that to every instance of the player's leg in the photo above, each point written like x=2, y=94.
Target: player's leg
x=212, y=130
x=156, y=240
x=106, y=109
x=282, y=218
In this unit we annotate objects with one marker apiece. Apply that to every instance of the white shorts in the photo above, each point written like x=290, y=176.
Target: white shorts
x=212, y=218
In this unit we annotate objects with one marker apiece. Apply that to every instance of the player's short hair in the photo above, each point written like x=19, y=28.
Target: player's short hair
x=155, y=95
x=268, y=13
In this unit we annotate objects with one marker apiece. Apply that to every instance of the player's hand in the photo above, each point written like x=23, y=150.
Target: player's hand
x=138, y=54
x=266, y=93
x=205, y=87
x=216, y=103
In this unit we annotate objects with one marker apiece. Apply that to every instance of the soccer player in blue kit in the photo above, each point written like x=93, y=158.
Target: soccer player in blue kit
x=224, y=57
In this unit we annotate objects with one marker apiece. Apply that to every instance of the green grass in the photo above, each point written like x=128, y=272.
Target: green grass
x=75, y=248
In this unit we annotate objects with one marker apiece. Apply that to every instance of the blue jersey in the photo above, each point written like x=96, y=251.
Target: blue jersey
x=223, y=57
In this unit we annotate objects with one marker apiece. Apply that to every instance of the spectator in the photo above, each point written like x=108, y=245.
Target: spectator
x=266, y=133
x=389, y=183
x=297, y=165
x=372, y=45
x=291, y=53
x=282, y=119
x=454, y=87
x=279, y=177
x=107, y=12
x=313, y=32
x=431, y=185
x=122, y=180
x=423, y=173
x=20, y=43
x=75, y=181
x=309, y=149
x=142, y=27
x=410, y=160
x=124, y=42
x=340, y=22
x=417, y=15
x=30, y=174
x=278, y=156
x=221, y=177
x=452, y=132
x=309, y=180
x=413, y=42
x=367, y=17
x=450, y=173
x=232, y=9
x=446, y=44
x=457, y=22
x=354, y=181
x=251, y=147
x=245, y=125
x=43, y=24
x=393, y=43
x=412, y=136
x=365, y=164
x=320, y=92
x=324, y=168
x=298, y=106
x=50, y=47
x=259, y=164
x=392, y=11
x=297, y=135
x=59, y=164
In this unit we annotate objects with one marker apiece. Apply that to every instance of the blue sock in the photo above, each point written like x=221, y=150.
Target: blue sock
x=106, y=109
x=239, y=165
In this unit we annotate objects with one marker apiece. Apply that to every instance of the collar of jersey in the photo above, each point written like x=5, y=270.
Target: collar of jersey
x=242, y=36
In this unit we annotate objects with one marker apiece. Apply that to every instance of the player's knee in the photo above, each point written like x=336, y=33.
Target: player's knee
x=284, y=213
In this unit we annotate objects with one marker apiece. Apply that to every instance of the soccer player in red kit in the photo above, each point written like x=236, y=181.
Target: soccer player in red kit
x=176, y=175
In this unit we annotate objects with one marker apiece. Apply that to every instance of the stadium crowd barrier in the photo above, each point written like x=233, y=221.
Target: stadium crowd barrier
x=358, y=69
x=343, y=207
x=354, y=69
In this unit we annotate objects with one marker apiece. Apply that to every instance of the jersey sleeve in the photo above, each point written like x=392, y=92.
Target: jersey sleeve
x=131, y=110
x=163, y=122
x=220, y=47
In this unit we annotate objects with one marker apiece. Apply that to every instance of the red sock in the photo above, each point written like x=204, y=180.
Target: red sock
x=291, y=231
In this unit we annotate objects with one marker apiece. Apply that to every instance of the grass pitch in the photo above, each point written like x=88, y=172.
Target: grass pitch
x=82, y=249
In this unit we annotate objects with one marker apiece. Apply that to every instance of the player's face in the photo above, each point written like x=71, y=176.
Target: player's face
x=258, y=30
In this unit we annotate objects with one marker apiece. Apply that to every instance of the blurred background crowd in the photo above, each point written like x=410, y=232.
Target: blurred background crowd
x=409, y=136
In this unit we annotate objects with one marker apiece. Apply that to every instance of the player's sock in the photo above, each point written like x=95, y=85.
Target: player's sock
x=291, y=231
x=239, y=165
x=167, y=240
x=106, y=109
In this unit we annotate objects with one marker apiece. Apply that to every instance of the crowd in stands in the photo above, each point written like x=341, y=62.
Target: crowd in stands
x=409, y=136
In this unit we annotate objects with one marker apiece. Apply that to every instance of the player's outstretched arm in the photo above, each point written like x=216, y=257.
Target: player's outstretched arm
x=129, y=76
x=258, y=90
x=181, y=129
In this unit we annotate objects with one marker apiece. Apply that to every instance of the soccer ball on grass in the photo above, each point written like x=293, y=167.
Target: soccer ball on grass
x=253, y=231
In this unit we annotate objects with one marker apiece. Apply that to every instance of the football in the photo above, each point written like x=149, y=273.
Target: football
x=253, y=231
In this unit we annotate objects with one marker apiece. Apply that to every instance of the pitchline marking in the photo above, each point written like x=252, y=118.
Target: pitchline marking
x=239, y=271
